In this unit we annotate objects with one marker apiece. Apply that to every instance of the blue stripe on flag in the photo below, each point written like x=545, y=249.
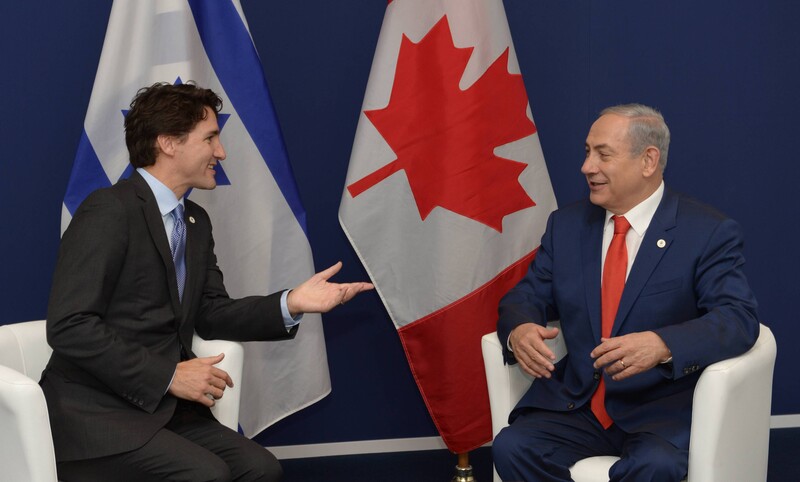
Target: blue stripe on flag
x=87, y=175
x=232, y=54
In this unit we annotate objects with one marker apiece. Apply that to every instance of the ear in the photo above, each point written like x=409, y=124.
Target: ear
x=650, y=161
x=166, y=144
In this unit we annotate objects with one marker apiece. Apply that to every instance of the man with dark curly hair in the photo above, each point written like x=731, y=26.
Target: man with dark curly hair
x=136, y=277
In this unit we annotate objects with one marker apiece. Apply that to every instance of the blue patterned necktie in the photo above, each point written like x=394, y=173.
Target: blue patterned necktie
x=178, y=247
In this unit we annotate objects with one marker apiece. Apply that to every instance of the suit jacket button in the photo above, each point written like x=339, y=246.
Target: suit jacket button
x=597, y=376
x=570, y=406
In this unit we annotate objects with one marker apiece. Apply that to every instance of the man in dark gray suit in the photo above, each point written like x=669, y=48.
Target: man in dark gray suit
x=136, y=277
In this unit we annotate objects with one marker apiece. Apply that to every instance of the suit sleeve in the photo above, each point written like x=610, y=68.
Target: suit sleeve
x=252, y=318
x=531, y=300
x=91, y=257
x=729, y=324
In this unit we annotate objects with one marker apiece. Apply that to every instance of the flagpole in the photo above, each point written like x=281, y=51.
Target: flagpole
x=463, y=469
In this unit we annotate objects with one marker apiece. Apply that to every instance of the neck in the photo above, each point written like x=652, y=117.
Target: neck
x=166, y=179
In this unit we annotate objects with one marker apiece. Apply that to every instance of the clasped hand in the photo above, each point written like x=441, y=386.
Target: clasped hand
x=532, y=353
x=631, y=354
x=198, y=380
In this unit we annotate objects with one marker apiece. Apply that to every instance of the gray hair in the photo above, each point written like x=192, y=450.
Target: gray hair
x=646, y=128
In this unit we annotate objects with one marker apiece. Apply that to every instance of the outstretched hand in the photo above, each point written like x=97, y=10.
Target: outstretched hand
x=318, y=295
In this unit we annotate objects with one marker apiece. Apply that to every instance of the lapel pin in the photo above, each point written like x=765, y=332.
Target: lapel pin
x=660, y=243
x=191, y=220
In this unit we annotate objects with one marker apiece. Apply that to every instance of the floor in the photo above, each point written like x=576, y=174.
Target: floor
x=439, y=465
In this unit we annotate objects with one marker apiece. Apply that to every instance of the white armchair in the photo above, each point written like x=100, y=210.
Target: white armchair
x=26, y=443
x=730, y=418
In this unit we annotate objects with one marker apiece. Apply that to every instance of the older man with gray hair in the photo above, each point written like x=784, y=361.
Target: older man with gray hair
x=649, y=288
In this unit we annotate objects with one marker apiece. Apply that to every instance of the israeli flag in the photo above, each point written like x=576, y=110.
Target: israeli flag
x=260, y=232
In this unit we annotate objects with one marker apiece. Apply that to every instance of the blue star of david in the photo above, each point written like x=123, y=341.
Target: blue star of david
x=221, y=177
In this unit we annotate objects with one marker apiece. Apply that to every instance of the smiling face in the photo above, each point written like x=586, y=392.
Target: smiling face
x=618, y=178
x=189, y=160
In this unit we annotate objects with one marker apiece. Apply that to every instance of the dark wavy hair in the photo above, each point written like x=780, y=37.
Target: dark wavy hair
x=164, y=109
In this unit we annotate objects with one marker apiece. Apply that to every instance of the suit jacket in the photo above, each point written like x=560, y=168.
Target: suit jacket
x=118, y=328
x=689, y=289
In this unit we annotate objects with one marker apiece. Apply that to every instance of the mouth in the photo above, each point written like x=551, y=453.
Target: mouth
x=595, y=185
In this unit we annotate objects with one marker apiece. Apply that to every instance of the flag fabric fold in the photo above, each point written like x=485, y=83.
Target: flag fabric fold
x=447, y=194
x=260, y=233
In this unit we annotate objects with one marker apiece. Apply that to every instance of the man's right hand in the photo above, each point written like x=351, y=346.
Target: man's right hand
x=530, y=350
x=198, y=380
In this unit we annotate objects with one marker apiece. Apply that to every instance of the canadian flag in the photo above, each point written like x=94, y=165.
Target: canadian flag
x=447, y=194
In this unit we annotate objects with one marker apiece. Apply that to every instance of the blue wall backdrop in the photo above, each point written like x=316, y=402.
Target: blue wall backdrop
x=724, y=73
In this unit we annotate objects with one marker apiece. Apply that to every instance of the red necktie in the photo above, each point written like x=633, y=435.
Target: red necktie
x=614, y=272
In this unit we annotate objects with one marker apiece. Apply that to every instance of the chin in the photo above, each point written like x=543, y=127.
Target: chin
x=597, y=199
x=206, y=186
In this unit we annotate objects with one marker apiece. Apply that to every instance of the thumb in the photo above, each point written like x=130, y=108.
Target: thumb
x=550, y=333
x=213, y=360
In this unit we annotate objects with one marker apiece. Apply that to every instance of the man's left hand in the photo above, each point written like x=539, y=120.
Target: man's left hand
x=317, y=295
x=628, y=355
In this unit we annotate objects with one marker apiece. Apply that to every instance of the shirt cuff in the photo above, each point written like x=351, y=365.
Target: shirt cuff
x=288, y=321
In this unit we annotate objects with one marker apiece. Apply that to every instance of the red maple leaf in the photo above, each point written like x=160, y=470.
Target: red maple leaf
x=445, y=137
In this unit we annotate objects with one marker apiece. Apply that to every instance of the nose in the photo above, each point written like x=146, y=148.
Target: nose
x=589, y=166
x=219, y=152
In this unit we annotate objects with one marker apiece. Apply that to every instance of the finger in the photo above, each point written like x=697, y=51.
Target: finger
x=221, y=378
x=599, y=350
x=356, y=288
x=615, y=368
x=606, y=345
x=226, y=379
x=327, y=273
x=538, y=362
x=215, y=393
x=627, y=372
x=607, y=359
x=534, y=369
x=544, y=351
x=206, y=400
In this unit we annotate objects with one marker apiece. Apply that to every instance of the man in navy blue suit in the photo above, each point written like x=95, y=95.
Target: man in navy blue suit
x=683, y=303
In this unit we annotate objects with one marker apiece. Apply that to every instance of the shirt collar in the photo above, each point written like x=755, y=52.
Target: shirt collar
x=164, y=196
x=640, y=216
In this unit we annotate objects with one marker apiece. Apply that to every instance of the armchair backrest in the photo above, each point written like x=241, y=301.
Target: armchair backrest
x=24, y=348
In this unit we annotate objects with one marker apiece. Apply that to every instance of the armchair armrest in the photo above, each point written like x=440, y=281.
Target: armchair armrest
x=26, y=437
x=226, y=409
x=508, y=383
x=730, y=417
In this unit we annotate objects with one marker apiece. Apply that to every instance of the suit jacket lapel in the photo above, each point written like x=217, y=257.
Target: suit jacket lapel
x=155, y=224
x=193, y=255
x=592, y=243
x=650, y=253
